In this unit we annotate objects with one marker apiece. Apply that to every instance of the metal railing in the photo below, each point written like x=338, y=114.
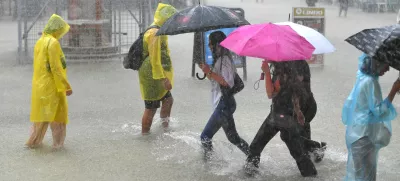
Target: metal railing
x=99, y=30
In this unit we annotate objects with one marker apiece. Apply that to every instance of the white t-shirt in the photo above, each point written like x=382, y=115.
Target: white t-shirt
x=227, y=72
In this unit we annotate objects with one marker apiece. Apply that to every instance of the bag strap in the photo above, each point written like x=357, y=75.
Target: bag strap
x=151, y=27
x=232, y=64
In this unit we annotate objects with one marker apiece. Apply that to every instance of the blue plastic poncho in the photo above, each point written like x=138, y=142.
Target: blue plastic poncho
x=368, y=122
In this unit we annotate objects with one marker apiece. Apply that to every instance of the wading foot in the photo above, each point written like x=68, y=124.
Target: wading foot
x=251, y=169
x=207, y=155
x=58, y=147
x=320, y=153
x=165, y=122
x=33, y=146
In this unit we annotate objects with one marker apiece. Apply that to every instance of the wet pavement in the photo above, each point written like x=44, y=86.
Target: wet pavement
x=103, y=137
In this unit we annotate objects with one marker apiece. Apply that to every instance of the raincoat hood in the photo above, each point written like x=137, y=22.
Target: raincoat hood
x=163, y=13
x=366, y=97
x=368, y=66
x=56, y=27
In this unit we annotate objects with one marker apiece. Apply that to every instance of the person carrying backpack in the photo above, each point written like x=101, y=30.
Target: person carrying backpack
x=156, y=71
x=225, y=82
x=288, y=94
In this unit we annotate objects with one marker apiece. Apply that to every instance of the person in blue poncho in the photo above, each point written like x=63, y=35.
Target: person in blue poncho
x=368, y=120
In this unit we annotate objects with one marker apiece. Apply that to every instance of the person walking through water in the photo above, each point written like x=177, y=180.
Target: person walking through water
x=50, y=86
x=156, y=72
x=287, y=93
x=343, y=6
x=368, y=118
x=309, y=110
x=224, y=105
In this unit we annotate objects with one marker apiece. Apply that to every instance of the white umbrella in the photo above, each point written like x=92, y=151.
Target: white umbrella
x=321, y=44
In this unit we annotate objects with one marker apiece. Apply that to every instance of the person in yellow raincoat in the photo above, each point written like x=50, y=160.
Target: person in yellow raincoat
x=156, y=72
x=49, y=85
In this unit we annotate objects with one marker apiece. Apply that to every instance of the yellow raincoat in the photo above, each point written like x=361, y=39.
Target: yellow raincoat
x=49, y=83
x=157, y=65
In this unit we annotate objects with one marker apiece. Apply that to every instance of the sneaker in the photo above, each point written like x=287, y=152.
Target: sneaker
x=320, y=153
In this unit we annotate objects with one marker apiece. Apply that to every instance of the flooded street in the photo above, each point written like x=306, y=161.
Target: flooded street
x=104, y=140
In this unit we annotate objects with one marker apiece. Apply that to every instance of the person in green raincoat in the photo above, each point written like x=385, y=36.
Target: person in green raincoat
x=50, y=85
x=156, y=72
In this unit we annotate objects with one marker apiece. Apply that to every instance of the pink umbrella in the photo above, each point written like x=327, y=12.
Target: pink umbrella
x=270, y=42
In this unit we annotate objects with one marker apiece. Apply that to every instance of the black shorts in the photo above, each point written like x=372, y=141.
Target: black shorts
x=156, y=104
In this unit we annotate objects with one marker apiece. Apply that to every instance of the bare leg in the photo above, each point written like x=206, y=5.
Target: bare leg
x=166, y=111
x=63, y=133
x=37, y=135
x=58, y=132
x=147, y=120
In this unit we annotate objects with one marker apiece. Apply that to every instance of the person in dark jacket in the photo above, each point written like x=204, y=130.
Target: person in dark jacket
x=309, y=110
x=288, y=95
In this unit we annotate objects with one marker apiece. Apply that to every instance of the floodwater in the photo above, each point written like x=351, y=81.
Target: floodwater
x=104, y=140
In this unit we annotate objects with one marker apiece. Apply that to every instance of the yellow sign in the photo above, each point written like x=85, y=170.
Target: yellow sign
x=308, y=11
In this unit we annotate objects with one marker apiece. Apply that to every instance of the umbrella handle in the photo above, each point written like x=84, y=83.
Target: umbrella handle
x=198, y=77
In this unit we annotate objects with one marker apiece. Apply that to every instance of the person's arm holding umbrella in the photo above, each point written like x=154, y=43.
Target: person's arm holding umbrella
x=269, y=87
x=212, y=75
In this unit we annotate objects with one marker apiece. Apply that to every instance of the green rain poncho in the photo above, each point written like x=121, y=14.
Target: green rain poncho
x=49, y=82
x=157, y=65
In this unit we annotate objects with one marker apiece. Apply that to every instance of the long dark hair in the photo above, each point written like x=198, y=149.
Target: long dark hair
x=215, y=39
x=291, y=81
x=275, y=70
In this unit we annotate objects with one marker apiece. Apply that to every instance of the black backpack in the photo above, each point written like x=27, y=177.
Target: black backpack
x=135, y=58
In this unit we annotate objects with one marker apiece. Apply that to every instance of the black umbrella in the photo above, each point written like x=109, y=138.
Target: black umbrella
x=201, y=19
x=382, y=44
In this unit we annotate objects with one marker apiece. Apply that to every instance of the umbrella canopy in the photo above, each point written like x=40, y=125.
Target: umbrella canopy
x=200, y=19
x=269, y=41
x=382, y=44
x=319, y=41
